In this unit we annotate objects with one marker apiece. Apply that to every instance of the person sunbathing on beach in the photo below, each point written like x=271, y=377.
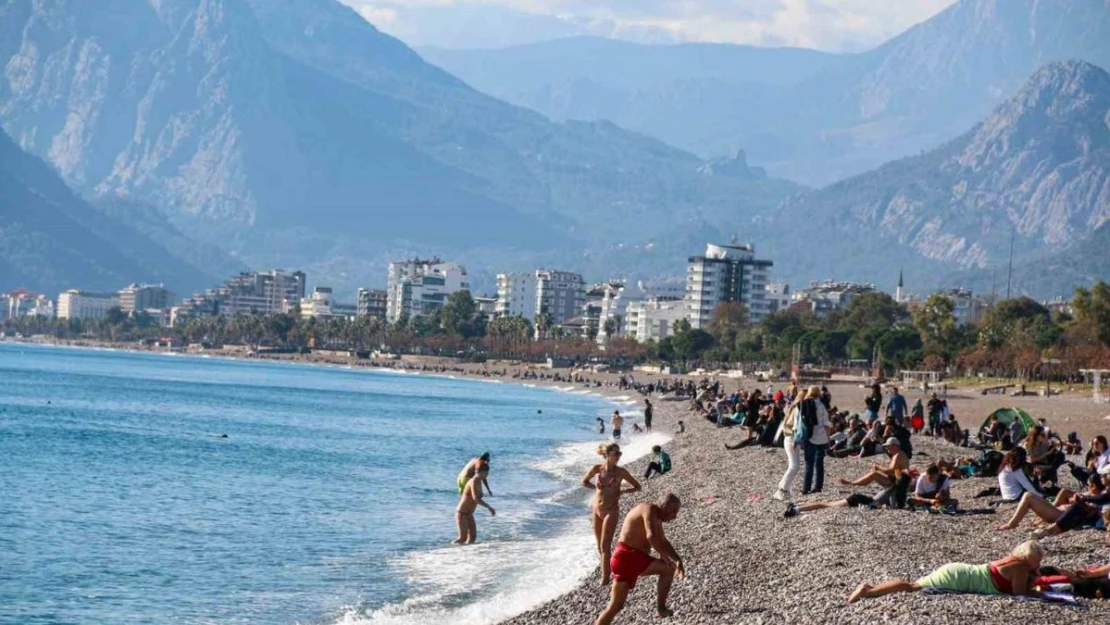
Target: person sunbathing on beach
x=1012, y=575
x=642, y=532
x=475, y=466
x=606, y=508
x=468, y=503
x=884, y=476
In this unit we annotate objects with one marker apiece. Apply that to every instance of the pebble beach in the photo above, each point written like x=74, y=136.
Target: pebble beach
x=746, y=563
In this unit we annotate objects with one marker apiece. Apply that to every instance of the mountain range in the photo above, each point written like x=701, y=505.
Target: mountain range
x=1036, y=170
x=292, y=133
x=52, y=240
x=812, y=118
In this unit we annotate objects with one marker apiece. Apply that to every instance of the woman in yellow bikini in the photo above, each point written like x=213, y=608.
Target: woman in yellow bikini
x=606, y=507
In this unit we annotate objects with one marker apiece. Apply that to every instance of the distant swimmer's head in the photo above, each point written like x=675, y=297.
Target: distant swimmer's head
x=669, y=504
x=609, y=450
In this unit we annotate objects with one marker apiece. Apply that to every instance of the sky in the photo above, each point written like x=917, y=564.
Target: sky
x=831, y=25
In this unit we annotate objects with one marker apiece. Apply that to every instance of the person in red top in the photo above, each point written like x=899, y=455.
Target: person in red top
x=1012, y=575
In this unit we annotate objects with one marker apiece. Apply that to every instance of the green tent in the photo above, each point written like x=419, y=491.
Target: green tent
x=1007, y=416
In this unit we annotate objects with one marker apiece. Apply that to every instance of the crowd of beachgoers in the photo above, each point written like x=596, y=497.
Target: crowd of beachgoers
x=1016, y=470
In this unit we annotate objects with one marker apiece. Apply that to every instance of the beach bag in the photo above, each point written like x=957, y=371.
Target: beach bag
x=917, y=422
x=802, y=428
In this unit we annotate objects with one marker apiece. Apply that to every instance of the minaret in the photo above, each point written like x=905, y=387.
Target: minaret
x=898, y=294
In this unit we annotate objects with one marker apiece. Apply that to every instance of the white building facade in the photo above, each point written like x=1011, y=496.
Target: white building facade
x=558, y=294
x=653, y=319
x=724, y=274
x=421, y=287
x=76, y=304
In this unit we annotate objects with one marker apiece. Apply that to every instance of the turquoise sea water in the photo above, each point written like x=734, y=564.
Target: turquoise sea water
x=330, y=500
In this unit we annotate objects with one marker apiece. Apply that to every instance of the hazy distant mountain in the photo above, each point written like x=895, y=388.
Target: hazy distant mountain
x=697, y=96
x=1037, y=167
x=52, y=240
x=923, y=87
x=294, y=133
x=806, y=116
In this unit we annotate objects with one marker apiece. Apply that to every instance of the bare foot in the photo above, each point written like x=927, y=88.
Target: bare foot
x=457, y=541
x=857, y=594
x=665, y=612
x=843, y=482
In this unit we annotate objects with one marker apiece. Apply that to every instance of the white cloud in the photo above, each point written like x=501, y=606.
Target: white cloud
x=835, y=25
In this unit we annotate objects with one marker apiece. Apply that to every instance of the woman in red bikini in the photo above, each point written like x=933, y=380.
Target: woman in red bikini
x=606, y=507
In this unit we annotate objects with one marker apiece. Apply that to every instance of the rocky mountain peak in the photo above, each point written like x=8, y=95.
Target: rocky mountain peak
x=1064, y=107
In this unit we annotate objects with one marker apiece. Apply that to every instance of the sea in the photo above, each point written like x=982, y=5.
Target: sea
x=161, y=488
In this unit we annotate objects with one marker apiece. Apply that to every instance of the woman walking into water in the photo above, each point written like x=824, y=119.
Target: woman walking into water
x=606, y=508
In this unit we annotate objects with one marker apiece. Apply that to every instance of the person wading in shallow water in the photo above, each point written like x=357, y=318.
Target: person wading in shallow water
x=642, y=532
x=607, y=505
x=468, y=503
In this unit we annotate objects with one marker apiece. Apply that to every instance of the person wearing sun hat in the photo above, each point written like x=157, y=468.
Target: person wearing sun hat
x=476, y=466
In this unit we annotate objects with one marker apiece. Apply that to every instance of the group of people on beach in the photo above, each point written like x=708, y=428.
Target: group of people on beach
x=1028, y=463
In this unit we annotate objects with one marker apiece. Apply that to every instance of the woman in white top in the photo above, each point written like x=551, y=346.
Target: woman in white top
x=1012, y=480
x=793, y=451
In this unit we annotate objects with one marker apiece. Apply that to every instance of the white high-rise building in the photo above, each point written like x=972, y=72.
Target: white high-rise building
x=76, y=304
x=421, y=287
x=558, y=294
x=726, y=273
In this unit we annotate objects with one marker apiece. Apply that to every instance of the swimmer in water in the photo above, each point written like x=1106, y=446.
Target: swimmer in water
x=469, y=501
x=600, y=425
x=606, y=508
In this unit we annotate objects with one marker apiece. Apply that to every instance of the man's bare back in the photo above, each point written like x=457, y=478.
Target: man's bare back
x=643, y=531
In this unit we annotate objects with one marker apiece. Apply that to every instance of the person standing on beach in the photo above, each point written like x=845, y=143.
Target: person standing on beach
x=468, y=503
x=642, y=532
x=616, y=422
x=896, y=407
x=477, y=466
x=874, y=402
x=789, y=423
x=648, y=409
x=818, y=427
x=607, y=507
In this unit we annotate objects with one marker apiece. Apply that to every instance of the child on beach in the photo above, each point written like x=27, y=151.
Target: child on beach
x=468, y=503
x=660, y=465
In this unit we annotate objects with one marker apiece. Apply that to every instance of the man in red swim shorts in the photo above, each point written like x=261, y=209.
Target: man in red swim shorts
x=642, y=531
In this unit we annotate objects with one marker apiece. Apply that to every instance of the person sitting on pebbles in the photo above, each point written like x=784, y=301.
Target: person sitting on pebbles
x=1071, y=511
x=888, y=475
x=1012, y=575
x=932, y=489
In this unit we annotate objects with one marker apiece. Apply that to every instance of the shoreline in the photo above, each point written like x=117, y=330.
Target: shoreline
x=747, y=564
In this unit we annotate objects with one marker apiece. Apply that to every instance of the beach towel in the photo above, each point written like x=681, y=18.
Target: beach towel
x=1047, y=597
